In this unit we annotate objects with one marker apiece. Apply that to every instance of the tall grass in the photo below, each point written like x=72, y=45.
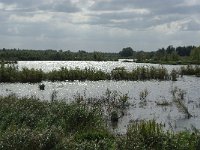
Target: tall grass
x=190, y=70
x=149, y=135
x=10, y=73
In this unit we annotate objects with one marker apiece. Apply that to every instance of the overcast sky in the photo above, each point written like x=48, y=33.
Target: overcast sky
x=99, y=25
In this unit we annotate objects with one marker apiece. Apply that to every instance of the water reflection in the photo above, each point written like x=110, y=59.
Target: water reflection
x=157, y=91
x=106, y=66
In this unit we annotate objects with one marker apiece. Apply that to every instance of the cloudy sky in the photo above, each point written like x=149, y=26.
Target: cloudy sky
x=99, y=25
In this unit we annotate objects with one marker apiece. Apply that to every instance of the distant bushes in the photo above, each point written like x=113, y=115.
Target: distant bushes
x=10, y=73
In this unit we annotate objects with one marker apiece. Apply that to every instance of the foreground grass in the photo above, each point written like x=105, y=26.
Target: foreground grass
x=28, y=123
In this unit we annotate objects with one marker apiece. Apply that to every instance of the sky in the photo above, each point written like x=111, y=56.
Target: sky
x=99, y=25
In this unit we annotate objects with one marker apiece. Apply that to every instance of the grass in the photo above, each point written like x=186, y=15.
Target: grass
x=10, y=73
x=190, y=70
x=149, y=135
x=28, y=123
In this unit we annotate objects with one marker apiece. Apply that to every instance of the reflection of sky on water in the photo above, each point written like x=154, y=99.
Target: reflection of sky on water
x=158, y=91
x=102, y=65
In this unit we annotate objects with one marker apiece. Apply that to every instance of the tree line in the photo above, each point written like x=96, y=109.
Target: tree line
x=165, y=55
x=184, y=54
x=56, y=55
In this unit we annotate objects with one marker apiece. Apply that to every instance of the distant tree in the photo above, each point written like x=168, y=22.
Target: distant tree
x=195, y=54
x=170, y=49
x=174, y=56
x=184, y=51
x=97, y=56
x=126, y=52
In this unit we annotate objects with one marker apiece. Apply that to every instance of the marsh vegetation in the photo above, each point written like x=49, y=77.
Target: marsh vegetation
x=28, y=123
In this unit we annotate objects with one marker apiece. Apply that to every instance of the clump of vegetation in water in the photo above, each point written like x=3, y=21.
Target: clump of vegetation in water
x=190, y=70
x=178, y=97
x=140, y=73
x=174, y=75
x=10, y=73
x=112, y=104
x=143, y=97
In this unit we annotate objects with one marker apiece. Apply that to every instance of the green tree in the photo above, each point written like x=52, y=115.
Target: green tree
x=195, y=54
x=126, y=52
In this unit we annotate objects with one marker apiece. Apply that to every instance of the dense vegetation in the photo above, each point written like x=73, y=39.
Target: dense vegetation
x=29, y=55
x=28, y=123
x=172, y=55
x=10, y=73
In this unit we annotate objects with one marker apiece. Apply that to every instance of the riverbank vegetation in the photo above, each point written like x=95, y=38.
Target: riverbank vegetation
x=28, y=123
x=10, y=73
x=190, y=70
x=169, y=55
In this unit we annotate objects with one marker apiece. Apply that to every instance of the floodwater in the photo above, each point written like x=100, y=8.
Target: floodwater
x=106, y=66
x=158, y=91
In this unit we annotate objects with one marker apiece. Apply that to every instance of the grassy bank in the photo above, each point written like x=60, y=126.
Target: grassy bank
x=28, y=123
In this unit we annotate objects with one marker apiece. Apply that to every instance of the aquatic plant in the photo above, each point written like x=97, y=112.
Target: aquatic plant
x=178, y=97
x=54, y=95
x=10, y=73
x=190, y=70
x=143, y=97
x=174, y=75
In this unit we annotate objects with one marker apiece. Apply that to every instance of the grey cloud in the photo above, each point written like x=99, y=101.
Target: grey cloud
x=193, y=26
x=60, y=6
x=122, y=4
x=109, y=24
x=165, y=12
x=38, y=5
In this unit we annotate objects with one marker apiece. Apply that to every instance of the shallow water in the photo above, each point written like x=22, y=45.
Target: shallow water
x=106, y=66
x=158, y=91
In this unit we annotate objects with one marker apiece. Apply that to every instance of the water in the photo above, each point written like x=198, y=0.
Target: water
x=157, y=91
x=106, y=66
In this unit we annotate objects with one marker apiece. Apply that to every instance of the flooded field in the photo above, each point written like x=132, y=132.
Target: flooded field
x=157, y=93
